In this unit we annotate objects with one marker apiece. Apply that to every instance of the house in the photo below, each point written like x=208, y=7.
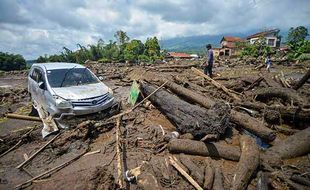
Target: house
x=176, y=55
x=229, y=46
x=273, y=39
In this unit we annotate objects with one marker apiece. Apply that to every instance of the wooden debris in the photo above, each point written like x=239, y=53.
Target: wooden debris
x=218, y=180
x=19, y=142
x=193, y=147
x=37, y=152
x=195, y=171
x=209, y=177
x=120, y=179
x=188, y=177
x=249, y=161
x=217, y=84
x=23, y=117
x=57, y=168
x=302, y=81
x=293, y=146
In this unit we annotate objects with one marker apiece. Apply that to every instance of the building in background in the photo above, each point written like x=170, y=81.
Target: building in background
x=272, y=37
x=229, y=46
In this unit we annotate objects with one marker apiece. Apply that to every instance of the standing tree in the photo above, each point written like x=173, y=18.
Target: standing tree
x=133, y=49
x=9, y=62
x=297, y=34
x=152, y=48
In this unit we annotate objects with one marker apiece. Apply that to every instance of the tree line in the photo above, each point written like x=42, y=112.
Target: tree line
x=121, y=50
x=9, y=62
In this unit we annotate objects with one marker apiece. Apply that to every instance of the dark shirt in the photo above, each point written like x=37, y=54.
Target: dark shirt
x=210, y=56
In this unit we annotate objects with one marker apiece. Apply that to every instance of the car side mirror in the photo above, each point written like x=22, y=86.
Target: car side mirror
x=42, y=85
x=100, y=78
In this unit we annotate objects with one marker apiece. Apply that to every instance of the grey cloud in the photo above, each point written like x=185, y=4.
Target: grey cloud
x=10, y=12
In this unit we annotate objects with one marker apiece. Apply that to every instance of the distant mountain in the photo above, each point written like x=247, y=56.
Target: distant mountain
x=196, y=44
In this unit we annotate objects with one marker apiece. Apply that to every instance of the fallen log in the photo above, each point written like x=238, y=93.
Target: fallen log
x=302, y=81
x=195, y=171
x=187, y=117
x=288, y=96
x=292, y=114
x=217, y=84
x=175, y=66
x=249, y=161
x=218, y=180
x=253, y=125
x=209, y=177
x=193, y=147
x=262, y=182
x=255, y=83
x=299, y=179
x=188, y=177
x=23, y=117
x=120, y=178
x=293, y=146
x=245, y=121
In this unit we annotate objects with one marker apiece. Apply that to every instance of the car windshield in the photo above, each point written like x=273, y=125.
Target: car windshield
x=70, y=77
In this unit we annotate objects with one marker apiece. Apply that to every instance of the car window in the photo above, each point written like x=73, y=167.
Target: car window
x=37, y=75
x=70, y=77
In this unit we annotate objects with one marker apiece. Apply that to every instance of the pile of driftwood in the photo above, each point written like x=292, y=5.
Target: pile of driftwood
x=203, y=123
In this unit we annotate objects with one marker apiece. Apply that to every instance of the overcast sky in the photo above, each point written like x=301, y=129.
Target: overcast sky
x=33, y=27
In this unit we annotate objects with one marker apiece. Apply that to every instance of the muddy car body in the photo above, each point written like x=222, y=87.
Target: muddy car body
x=67, y=89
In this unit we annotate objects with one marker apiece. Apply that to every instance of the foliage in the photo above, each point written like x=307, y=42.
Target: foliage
x=297, y=34
x=9, y=62
x=297, y=43
x=115, y=51
x=259, y=48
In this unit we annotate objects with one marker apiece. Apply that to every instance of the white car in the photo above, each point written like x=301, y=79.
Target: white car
x=67, y=89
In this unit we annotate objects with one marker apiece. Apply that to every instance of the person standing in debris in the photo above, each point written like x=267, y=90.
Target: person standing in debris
x=209, y=62
x=268, y=62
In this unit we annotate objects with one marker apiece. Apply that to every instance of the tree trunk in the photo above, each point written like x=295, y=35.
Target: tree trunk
x=187, y=117
x=293, y=146
x=292, y=114
x=218, y=180
x=249, y=161
x=245, y=121
x=253, y=125
x=193, y=147
x=302, y=81
x=209, y=177
x=195, y=171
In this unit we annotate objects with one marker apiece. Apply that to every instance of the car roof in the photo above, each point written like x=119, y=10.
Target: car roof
x=57, y=65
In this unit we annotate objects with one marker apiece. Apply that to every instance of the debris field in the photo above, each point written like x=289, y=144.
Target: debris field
x=245, y=128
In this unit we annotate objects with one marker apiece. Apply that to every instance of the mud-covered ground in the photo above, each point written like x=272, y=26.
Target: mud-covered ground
x=142, y=130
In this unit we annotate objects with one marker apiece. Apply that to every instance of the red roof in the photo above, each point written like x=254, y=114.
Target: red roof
x=179, y=55
x=263, y=33
x=231, y=39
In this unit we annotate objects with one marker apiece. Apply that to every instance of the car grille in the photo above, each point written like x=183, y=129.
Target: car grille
x=91, y=101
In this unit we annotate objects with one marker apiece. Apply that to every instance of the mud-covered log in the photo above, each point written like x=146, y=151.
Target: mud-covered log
x=287, y=96
x=249, y=161
x=195, y=171
x=292, y=114
x=293, y=146
x=302, y=81
x=245, y=121
x=209, y=177
x=253, y=125
x=187, y=117
x=189, y=95
x=218, y=180
x=193, y=147
x=262, y=182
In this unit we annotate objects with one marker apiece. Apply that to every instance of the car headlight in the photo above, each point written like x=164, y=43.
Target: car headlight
x=62, y=103
x=110, y=91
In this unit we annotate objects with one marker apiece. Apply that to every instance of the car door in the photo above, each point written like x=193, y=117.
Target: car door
x=41, y=91
x=32, y=84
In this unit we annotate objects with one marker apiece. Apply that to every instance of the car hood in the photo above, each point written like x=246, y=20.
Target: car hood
x=82, y=91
